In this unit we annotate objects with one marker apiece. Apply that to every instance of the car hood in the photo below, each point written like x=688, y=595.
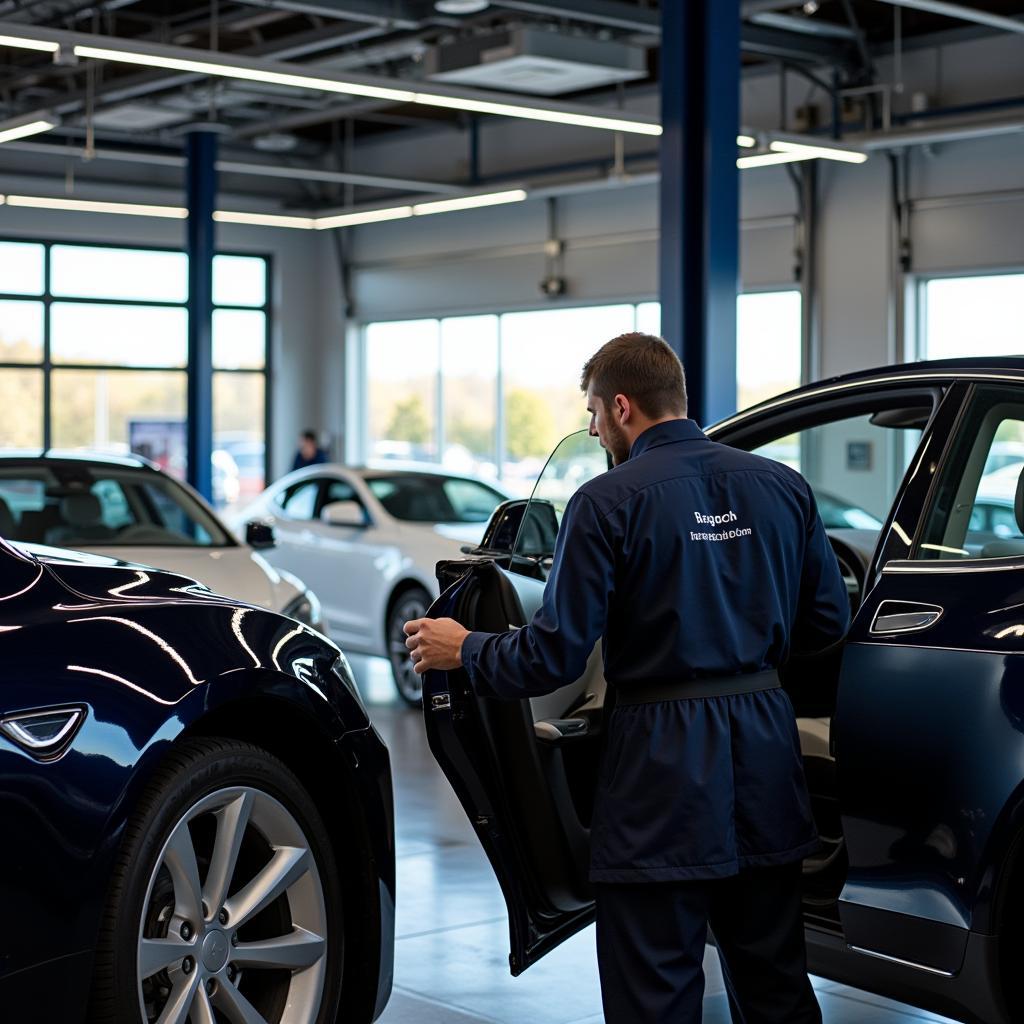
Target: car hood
x=236, y=572
x=96, y=575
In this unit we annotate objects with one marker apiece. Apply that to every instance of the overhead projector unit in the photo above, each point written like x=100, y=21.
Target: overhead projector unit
x=532, y=60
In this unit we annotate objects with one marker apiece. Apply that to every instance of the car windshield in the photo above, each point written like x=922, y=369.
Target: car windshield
x=428, y=498
x=81, y=506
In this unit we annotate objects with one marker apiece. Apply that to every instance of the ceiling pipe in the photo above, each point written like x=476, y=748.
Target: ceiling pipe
x=961, y=13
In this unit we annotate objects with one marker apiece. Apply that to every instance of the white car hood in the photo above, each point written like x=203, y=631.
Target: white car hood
x=465, y=533
x=236, y=572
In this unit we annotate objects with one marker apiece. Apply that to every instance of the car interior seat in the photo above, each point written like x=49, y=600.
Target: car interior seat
x=1012, y=545
x=82, y=516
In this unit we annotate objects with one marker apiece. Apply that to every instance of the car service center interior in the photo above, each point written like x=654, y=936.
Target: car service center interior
x=295, y=297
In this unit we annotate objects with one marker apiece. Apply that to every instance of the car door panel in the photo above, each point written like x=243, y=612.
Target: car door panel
x=517, y=791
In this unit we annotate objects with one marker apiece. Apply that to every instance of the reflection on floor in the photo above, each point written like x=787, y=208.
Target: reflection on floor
x=451, y=952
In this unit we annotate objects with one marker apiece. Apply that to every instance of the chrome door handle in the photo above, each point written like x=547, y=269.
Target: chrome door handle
x=904, y=617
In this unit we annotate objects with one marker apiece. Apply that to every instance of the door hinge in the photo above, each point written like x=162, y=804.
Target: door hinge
x=441, y=702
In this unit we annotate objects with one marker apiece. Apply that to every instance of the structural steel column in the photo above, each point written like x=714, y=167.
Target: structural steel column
x=699, y=247
x=201, y=150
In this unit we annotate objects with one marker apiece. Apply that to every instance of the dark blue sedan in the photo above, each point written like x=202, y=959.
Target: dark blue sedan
x=197, y=814
x=912, y=730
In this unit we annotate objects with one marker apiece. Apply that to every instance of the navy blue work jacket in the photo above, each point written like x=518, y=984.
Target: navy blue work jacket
x=690, y=560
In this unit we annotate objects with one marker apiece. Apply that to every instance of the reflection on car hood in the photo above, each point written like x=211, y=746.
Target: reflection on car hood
x=236, y=572
x=98, y=576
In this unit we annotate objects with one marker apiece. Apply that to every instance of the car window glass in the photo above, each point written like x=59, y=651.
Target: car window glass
x=472, y=502
x=854, y=467
x=300, y=500
x=434, y=499
x=973, y=510
x=577, y=459
x=85, y=506
x=339, y=490
x=113, y=503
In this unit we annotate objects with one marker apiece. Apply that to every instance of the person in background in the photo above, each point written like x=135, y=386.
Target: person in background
x=309, y=452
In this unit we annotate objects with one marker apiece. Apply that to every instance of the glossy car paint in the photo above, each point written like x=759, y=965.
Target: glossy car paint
x=153, y=657
x=928, y=736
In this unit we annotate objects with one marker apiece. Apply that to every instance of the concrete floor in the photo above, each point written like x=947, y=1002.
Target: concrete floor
x=451, y=950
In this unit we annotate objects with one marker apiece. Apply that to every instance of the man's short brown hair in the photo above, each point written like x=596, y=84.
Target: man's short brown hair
x=643, y=368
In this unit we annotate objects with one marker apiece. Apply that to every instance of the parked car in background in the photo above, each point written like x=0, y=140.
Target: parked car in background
x=912, y=729
x=367, y=541
x=129, y=509
x=197, y=813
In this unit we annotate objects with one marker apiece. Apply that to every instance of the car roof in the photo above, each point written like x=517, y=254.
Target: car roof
x=923, y=371
x=52, y=457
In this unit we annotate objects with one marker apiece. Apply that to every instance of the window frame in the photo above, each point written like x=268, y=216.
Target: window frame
x=917, y=315
x=358, y=447
x=47, y=299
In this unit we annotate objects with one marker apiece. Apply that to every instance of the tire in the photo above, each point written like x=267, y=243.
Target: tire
x=207, y=936
x=410, y=604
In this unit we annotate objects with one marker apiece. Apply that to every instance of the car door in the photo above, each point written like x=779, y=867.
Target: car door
x=523, y=770
x=293, y=511
x=352, y=563
x=928, y=728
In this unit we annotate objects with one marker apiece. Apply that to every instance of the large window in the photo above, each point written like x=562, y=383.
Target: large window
x=493, y=395
x=93, y=355
x=979, y=316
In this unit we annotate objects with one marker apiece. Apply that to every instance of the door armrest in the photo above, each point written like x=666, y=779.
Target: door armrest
x=556, y=731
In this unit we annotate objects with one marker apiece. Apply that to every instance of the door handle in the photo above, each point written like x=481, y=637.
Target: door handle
x=904, y=617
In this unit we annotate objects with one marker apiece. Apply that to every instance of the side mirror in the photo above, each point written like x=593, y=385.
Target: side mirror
x=534, y=523
x=343, y=513
x=260, y=535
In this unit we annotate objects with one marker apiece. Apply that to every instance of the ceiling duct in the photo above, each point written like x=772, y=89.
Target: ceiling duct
x=535, y=60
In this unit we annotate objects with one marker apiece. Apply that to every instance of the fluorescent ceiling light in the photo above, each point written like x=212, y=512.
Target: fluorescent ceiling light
x=11, y=130
x=770, y=159
x=746, y=141
x=247, y=74
x=514, y=195
x=92, y=206
x=268, y=220
x=538, y=113
x=29, y=44
x=812, y=151
x=348, y=220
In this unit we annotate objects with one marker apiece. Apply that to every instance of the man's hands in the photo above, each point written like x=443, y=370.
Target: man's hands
x=435, y=643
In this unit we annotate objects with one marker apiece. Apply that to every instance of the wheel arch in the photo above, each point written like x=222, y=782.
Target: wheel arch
x=283, y=729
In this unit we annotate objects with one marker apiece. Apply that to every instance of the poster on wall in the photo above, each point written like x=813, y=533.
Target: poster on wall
x=162, y=441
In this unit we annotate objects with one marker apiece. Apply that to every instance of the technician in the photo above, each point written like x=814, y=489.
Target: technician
x=702, y=569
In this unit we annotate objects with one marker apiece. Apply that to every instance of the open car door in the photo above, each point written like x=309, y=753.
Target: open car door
x=523, y=770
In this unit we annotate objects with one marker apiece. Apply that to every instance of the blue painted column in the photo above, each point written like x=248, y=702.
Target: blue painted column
x=201, y=151
x=699, y=246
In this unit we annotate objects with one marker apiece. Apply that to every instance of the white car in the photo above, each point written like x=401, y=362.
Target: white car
x=367, y=541
x=129, y=509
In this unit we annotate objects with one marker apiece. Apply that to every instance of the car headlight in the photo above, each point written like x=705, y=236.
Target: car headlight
x=306, y=608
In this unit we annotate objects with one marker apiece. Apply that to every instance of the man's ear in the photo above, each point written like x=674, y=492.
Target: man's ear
x=623, y=407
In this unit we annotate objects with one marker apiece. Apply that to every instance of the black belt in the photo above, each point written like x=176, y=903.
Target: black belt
x=688, y=689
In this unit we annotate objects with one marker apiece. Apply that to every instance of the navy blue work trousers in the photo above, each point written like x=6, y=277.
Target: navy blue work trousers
x=650, y=948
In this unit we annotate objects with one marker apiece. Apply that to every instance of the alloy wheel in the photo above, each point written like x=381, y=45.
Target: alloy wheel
x=412, y=605
x=234, y=924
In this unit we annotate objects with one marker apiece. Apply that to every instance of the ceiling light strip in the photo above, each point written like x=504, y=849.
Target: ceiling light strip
x=267, y=220
x=22, y=131
x=770, y=159
x=248, y=74
x=21, y=43
x=811, y=151
x=351, y=220
x=515, y=195
x=96, y=206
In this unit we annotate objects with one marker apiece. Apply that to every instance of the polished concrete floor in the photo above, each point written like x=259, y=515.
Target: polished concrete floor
x=451, y=952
